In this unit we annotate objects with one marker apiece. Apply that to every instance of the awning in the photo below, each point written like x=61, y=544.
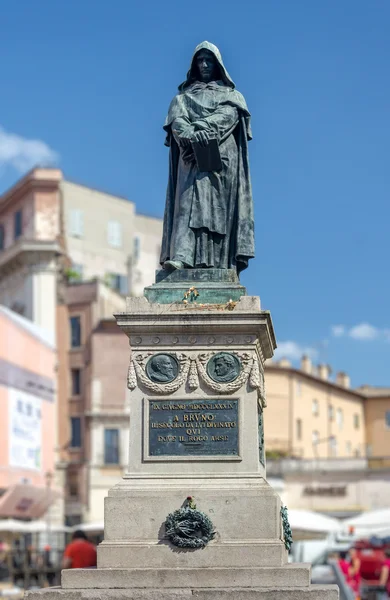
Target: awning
x=25, y=501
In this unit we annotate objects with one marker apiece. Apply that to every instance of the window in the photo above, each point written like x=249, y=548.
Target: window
x=339, y=418
x=315, y=438
x=2, y=237
x=73, y=484
x=76, y=222
x=387, y=419
x=75, y=332
x=114, y=234
x=315, y=408
x=18, y=225
x=76, y=382
x=331, y=412
x=136, y=248
x=299, y=429
x=356, y=421
x=120, y=283
x=111, y=446
x=75, y=435
x=333, y=446
x=19, y=406
x=348, y=448
x=299, y=388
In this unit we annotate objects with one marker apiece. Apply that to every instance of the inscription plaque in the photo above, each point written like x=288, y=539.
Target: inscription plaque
x=203, y=427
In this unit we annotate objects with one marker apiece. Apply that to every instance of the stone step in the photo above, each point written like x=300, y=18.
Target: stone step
x=313, y=592
x=159, y=555
x=290, y=576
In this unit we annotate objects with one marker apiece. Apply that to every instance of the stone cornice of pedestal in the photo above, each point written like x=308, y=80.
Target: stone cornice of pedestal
x=143, y=317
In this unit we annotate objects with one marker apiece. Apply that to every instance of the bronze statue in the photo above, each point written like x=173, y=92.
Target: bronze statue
x=208, y=220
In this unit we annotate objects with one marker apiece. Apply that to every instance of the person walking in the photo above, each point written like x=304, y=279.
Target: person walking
x=80, y=553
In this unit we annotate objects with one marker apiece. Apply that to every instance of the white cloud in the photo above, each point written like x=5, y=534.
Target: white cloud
x=293, y=351
x=338, y=330
x=23, y=154
x=362, y=331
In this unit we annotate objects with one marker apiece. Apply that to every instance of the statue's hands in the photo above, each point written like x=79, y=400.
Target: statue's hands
x=202, y=137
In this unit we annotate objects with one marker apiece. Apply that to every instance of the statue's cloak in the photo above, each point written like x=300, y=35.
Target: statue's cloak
x=208, y=220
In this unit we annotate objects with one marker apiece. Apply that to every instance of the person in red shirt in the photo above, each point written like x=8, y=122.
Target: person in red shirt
x=344, y=565
x=354, y=573
x=385, y=574
x=80, y=553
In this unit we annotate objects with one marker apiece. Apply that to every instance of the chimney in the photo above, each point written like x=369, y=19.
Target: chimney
x=342, y=379
x=284, y=362
x=324, y=371
x=306, y=364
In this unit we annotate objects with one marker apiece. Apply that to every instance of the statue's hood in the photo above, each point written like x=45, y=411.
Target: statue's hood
x=191, y=73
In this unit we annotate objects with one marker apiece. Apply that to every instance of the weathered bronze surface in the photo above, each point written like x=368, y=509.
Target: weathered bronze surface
x=193, y=427
x=208, y=221
x=223, y=367
x=162, y=368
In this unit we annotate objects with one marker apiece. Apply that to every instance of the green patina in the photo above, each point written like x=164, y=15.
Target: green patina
x=215, y=286
x=287, y=533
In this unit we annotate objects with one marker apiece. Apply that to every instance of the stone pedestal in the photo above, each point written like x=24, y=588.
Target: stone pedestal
x=196, y=377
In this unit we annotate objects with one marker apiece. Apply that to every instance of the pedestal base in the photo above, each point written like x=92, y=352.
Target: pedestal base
x=215, y=286
x=311, y=592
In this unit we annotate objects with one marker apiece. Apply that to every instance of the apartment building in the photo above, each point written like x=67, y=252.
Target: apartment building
x=51, y=227
x=311, y=416
x=93, y=420
x=377, y=409
x=54, y=232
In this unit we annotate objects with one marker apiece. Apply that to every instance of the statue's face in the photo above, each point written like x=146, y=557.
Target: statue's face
x=207, y=65
x=221, y=368
x=165, y=366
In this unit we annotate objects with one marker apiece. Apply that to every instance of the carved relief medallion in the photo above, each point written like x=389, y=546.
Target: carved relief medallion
x=223, y=367
x=162, y=368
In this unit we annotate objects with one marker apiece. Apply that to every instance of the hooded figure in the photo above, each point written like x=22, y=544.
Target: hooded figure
x=208, y=220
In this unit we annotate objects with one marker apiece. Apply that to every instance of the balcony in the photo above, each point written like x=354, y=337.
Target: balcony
x=27, y=253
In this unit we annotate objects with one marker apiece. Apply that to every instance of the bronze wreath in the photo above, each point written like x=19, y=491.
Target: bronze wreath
x=189, y=528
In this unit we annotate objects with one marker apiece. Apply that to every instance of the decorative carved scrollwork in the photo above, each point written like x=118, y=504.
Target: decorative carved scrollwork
x=137, y=368
x=230, y=387
x=193, y=369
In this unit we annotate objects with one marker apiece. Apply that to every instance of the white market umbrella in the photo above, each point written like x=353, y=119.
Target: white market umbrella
x=369, y=523
x=12, y=526
x=41, y=527
x=93, y=526
x=306, y=520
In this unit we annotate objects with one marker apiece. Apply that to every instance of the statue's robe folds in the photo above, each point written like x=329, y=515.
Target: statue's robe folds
x=208, y=219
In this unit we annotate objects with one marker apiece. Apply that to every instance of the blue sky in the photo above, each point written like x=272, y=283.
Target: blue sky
x=88, y=83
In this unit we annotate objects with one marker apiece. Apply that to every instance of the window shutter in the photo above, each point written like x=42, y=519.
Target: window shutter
x=114, y=234
x=76, y=222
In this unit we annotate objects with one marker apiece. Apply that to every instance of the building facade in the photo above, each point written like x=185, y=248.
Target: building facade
x=52, y=228
x=94, y=417
x=28, y=418
x=311, y=416
x=54, y=232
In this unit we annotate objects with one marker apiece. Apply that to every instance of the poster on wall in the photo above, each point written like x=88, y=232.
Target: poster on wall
x=25, y=430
